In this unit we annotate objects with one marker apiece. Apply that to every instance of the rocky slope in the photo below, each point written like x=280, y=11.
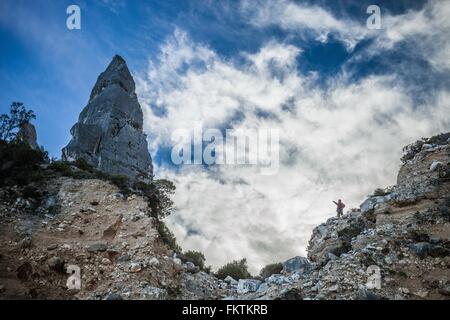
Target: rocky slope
x=401, y=233
x=90, y=224
x=109, y=134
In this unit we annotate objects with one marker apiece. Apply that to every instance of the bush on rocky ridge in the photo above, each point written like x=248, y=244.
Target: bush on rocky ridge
x=236, y=269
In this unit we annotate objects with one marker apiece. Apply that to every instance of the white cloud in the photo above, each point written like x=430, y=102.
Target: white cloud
x=303, y=20
x=340, y=142
x=427, y=29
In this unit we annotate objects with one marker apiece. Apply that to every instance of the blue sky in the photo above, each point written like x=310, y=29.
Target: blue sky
x=52, y=69
x=346, y=98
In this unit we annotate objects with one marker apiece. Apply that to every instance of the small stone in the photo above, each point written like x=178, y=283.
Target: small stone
x=124, y=258
x=364, y=294
x=135, y=267
x=88, y=210
x=56, y=264
x=113, y=296
x=421, y=294
x=106, y=261
x=24, y=271
x=435, y=165
x=404, y=290
x=333, y=288
x=154, y=261
x=97, y=247
x=25, y=243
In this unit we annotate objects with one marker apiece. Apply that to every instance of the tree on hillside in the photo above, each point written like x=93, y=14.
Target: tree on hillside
x=236, y=269
x=10, y=123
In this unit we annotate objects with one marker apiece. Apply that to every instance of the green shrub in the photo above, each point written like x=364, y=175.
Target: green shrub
x=167, y=237
x=32, y=192
x=236, y=270
x=10, y=123
x=83, y=165
x=196, y=257
x=122, y=182
x=271, y=269
x=20, y=165
x=158, y=194
x=381, y=192
x=62, y=167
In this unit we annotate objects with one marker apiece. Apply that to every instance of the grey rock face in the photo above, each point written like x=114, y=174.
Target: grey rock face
x=109, y=134
x=27, y=134
x=277, y=279
x=247, y=285
x=296, y=264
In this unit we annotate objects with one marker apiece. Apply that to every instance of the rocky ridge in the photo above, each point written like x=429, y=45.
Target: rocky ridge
x=401, y=232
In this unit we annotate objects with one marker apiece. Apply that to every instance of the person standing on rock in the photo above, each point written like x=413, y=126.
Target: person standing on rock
x=339, y=207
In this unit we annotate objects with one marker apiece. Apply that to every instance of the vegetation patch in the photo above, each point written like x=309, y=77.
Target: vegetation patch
x=236, y=269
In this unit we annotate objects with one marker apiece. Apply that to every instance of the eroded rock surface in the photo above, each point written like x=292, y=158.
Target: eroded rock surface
x=109, y=134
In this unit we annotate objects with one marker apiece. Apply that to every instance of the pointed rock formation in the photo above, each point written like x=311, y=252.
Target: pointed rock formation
x=109, y=134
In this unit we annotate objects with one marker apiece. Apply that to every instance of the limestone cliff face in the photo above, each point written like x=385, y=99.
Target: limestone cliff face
x=109, y=134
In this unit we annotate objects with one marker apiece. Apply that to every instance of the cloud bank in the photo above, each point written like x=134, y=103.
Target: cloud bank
x=339, y=140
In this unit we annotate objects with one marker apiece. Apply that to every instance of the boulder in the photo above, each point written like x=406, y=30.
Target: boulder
x=135, y=267
x=277, y=279
x=190, y=267
x=154, y=261
x=436, y=165
x=248, y=285
x=370, y=203
x=421, y=249
x=411, y=150
x=298, y=263
x=230, y=280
